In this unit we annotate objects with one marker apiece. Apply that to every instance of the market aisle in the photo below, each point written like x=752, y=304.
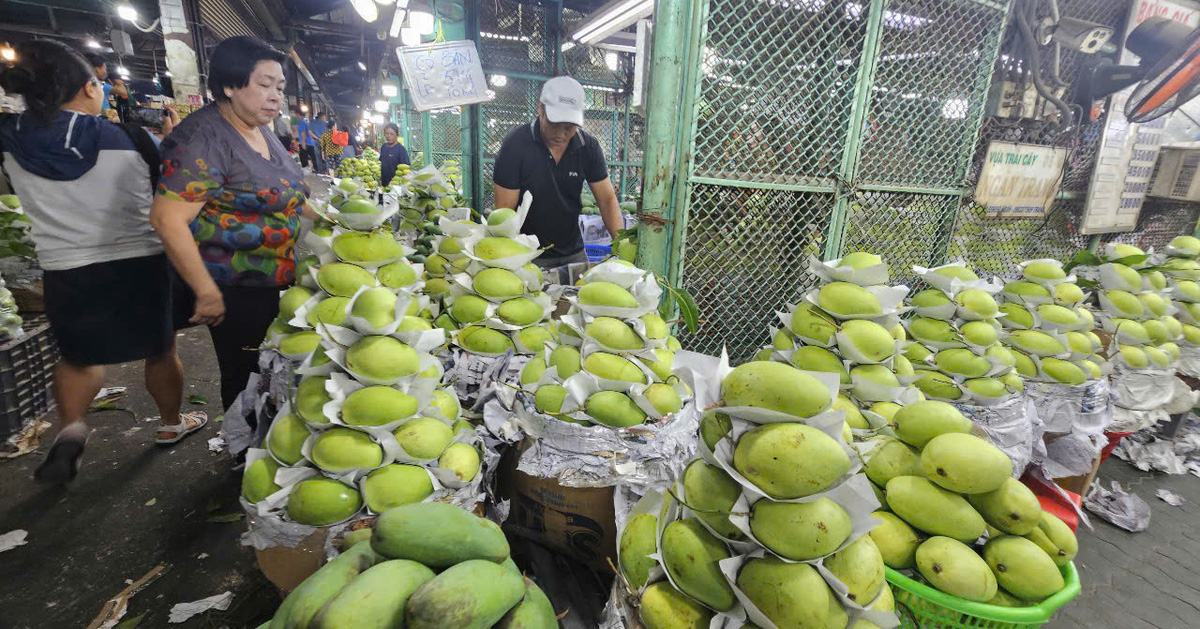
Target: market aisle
x=133, y=507
x=1140, y=580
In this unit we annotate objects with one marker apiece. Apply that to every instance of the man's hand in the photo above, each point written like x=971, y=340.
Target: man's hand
x=170, y=119
x=610, y=208
x=210, y=308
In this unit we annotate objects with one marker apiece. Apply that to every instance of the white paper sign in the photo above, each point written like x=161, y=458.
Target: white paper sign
x=1128, y=151
x=1019, y=180
x=443, y=75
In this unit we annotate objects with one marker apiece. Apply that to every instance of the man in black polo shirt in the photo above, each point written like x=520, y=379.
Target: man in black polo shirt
x=551, y=157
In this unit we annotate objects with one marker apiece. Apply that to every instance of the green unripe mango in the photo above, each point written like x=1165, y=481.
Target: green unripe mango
x=496, y=247
x=532, y=371
x=307, y=600
x=1054, y=537
x=382, y=357
x=1187, y=244
x=962, y=362
x=258, y=481
x=871, y=340
x=800, y=530
x=566, y=359
x=376, y=305
x=397, y=274
x=1022, y=568
x=1063, y=371
x=886, y=410
x=1015, y=316
x=664, y=607
x=498, y=284
x=711, y=494
x=606, y=294
x=468, y=309
x=930, y=298
x=952, y=567
x=932, y=330
x=775, y=386
x=286, y=438
x=690, y=555
x=813, y=358
x=613, y=367
x=436, y=265
x=844, y=298
x=663, y=398
x=891, y=458
x=359, y=206
x=450, y=246
x=1068, y=294
x=981, y=333
x=615, y=409
x=663, y=364
x=859, y=260
x=520, y=311
x=1024, y=288
x=366, y=247
x=484, y=340
x=549, y=398
x=500, y=216
x=1058, y=314
x=656, y=328
x=376, y=598
x=424, y=437
x=937, y=385
x=1036, y=342
x=854, y=417
x=1004, y=599
x=290, y=300
x=310, y=399
x=1126, y=302
x=957, y=271
x=928, y=507
x=462, y=459
x=533, y=612
x=438, y=535
x=1154, y=303
x=638, y=541
x=614, y=333
x=474, y=594
x=965, y=463
x=345, y=449
x=1044, y=271
x=714, y=426
x=1013, y=508
x=896, y=540
x=535, y=338
x=790, y=594
x=916, y=352
x=1156, y=356
x=1134, y=356
x=343, y=280
x=394, y=485
x=859, y=567
x=322, y=501
x=987, y=387
x=977, y=302
x=809, y=322
x=1078, y=342
x=302, y=342
x=1025, y=365
x=787, y=460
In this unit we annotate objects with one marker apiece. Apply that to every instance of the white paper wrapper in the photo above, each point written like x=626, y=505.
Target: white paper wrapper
x=832, y=272
x=785, y=317
x=950, y=286
x=1141, y=390
x=1189, y=361
x=891, y=301
x=1062, y=408
x=1009, y=425
x=512, y=226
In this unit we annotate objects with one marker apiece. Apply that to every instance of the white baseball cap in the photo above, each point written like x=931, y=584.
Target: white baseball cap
x=563, y=99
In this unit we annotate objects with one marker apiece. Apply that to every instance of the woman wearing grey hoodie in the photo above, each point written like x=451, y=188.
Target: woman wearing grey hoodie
x=86, y=185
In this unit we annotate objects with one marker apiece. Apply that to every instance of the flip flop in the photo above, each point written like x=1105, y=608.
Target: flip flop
x=181, y=430
x=62, y=462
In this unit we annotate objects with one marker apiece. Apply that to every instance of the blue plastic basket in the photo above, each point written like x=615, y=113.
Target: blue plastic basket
x=596, y=253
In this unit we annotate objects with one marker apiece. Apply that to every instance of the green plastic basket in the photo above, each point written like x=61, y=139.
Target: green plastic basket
x=922, y=607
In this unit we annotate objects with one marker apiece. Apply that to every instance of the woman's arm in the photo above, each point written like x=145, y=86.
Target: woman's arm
x=170, y=218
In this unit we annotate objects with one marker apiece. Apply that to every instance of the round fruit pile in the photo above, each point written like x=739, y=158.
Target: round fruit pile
x=364, y=168
x=944, y=490
x=368, y=422
x=1135, y=311
x=956, y=349
x=493, y=291
x=430, y=194
x=423, y=566
x=770, y=525
x=1049, y=326
x=1184, y=291
x=612, y=362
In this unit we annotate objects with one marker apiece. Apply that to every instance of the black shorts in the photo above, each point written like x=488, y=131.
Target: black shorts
x=111, y=312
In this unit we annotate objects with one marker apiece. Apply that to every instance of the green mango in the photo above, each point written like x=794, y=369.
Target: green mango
x=1023, y=568
x=1012, y=508
x=896, y=540
x=613, y=367
x=1056, y=538
x=859, y=567
x=549, y=398
x=789, y=460
x=394, y=485
x=714, y=426
x=954, y=568
x=800, y=530
x=566, y=359
x=711, y=494
x=664, y=607
x=690, y=555
x=606, y=294
x=965, y=464
x=473, y=594
x=305, y=602
x=376, y=598
x=438, y=535
x=934, y=510
x=918, y=423
x=791, y=594
x=638, y=541
x=891, y=458
x=614, y=333
x=533, y=612
x=613, y=408
x=777, y=387
x=258, y=481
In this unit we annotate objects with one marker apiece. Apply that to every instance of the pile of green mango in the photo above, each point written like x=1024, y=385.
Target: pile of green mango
x=421, y=566
x=491, y=289
x=428, y=194
x=364, y=169
x=1183, y=288
x=379, y=423
x=625, y=355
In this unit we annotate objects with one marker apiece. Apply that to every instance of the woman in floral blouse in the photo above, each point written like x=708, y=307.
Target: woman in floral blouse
x=228, y=206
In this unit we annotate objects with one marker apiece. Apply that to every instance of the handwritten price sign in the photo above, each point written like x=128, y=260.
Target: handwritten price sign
x=443, y=75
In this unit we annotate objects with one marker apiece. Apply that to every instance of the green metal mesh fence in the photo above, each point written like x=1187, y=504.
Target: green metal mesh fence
x=904, y=228
x=515, y=36
x=995, y=246
x=587, y=63
x=1160, y=221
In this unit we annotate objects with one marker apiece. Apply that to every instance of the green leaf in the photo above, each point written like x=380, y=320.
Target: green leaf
x=1132, y=260
x=1083, y=258
x=688, y=310
x=131, y=623
x=227, y=517
x=197, y=399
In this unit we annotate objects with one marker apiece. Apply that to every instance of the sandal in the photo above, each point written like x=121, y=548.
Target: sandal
x=181, y=429
x=62, y=462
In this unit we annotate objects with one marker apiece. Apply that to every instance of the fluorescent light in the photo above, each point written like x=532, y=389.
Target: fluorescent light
x=389, y=89
x=422, y=21
x=503, y=37
x=611, y=18
x=122, y=70
x=409, y=36
x=127, y=13
x=498, y=80
x=397, y=22
x=166, y=73
x=611, y=60
x=381, y=105
x=383, y=2
x=362, y=66
x=8, y=54
x=377, y=118
x=91, y=43
x=366, y=9
x=303, y=108
x=568, y=45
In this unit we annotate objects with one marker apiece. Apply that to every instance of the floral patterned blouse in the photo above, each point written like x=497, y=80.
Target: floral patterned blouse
x=247, y=228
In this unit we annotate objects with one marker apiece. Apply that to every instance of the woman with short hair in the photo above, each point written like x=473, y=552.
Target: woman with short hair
x=229, y=203
x=86, y=184
x=391, y=154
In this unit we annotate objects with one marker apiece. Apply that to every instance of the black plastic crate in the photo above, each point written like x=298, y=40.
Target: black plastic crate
x=26, y=375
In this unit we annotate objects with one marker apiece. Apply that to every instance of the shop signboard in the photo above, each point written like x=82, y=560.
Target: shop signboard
x=443, y=75
x=1127, y=153
x=1019, y=180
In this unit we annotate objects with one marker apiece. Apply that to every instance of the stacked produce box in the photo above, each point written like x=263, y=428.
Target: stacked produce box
x=367, y=422
x=421, y=566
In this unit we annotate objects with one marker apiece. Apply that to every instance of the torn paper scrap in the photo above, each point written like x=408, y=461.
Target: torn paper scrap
x=183, y=611
x=1170, y=497
x=12, y=539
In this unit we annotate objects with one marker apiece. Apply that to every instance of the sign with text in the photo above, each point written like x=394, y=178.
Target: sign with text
x=1127, y=153
x=443, y=75
x=1019, y=180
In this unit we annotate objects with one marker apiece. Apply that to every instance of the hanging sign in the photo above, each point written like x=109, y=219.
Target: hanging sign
x=1019, y=180
x=443, y=75
x=1127, y=153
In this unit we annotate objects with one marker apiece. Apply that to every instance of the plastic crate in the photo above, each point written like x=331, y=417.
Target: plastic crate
x=26, y=376
x=920, y=606
x=596, y=253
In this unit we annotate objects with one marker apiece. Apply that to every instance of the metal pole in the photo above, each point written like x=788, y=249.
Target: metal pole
x=625, y=147
x=835, y=232
x=664, y=109
x=427, y=137
x=473, y=152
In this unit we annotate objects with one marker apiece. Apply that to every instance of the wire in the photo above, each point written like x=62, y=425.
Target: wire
x=1035, y=67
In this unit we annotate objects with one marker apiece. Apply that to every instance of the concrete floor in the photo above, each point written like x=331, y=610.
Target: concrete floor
x=136, y=506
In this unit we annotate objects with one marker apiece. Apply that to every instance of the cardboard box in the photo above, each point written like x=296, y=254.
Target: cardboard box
x=577, y=521
x=288, y=566
x=1080, y=484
